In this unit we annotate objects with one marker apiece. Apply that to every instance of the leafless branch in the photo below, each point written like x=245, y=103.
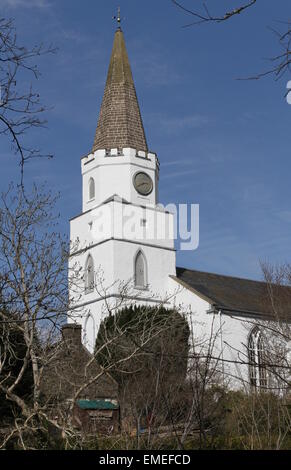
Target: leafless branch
x=20, y=109
x=206, y=16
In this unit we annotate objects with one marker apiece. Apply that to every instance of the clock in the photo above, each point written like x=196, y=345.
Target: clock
x=143, y=183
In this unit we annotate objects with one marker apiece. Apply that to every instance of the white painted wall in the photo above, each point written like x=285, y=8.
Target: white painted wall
x=112, y=233
x=233, y=332
x=113, y=174
x=123, y=221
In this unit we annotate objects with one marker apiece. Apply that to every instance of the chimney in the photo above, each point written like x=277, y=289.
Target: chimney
x=72, y=334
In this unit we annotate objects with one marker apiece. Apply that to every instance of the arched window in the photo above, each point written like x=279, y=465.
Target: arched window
x=89, y=333
x=140, y=270
x=91, y=189
x=256, y=352
x=89, y=275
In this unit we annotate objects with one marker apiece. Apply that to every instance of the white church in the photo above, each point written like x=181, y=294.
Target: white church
x=123, y=242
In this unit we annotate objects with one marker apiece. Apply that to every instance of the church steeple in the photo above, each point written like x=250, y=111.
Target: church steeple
x=120, y=123
x=122, y=230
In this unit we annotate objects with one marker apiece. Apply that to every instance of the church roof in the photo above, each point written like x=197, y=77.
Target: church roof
x=120, y=123
x=237, y=295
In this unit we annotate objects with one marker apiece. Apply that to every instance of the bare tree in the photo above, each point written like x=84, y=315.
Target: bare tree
x=280, y=64
x=20, y=109
x=34, y=303
x=258, y=421
x=260, y=411
x=266, y=351
x=146, y=354
x=205, y=16
x=33, y=294
x=204, y=385
x=277, y=330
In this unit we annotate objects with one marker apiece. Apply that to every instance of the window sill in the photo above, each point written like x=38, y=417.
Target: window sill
x=141, y=287
x=87, y=292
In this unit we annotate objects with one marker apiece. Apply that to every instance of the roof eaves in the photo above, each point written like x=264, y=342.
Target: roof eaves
x=223, y=308
x=256, y=281
x=248, y=313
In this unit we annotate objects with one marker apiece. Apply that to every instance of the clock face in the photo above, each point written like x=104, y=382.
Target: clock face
x=143, y=183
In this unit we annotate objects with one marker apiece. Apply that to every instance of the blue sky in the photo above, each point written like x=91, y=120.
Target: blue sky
x=222, y=142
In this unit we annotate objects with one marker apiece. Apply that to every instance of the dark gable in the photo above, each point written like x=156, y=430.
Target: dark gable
x=236, y=295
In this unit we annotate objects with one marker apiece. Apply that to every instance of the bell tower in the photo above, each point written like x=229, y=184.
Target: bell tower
x=122, y=236
x=120, y=162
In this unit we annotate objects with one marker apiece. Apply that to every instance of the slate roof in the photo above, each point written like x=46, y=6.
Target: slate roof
x=120, y=123
x=232, y=294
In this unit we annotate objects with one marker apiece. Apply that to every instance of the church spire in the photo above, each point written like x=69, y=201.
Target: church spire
x=120, y=122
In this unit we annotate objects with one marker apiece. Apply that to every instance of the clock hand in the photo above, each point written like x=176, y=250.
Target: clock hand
x=142, y=184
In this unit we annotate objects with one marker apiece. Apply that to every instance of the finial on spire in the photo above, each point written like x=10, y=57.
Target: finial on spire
x=118, y=17
x=116, y=128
